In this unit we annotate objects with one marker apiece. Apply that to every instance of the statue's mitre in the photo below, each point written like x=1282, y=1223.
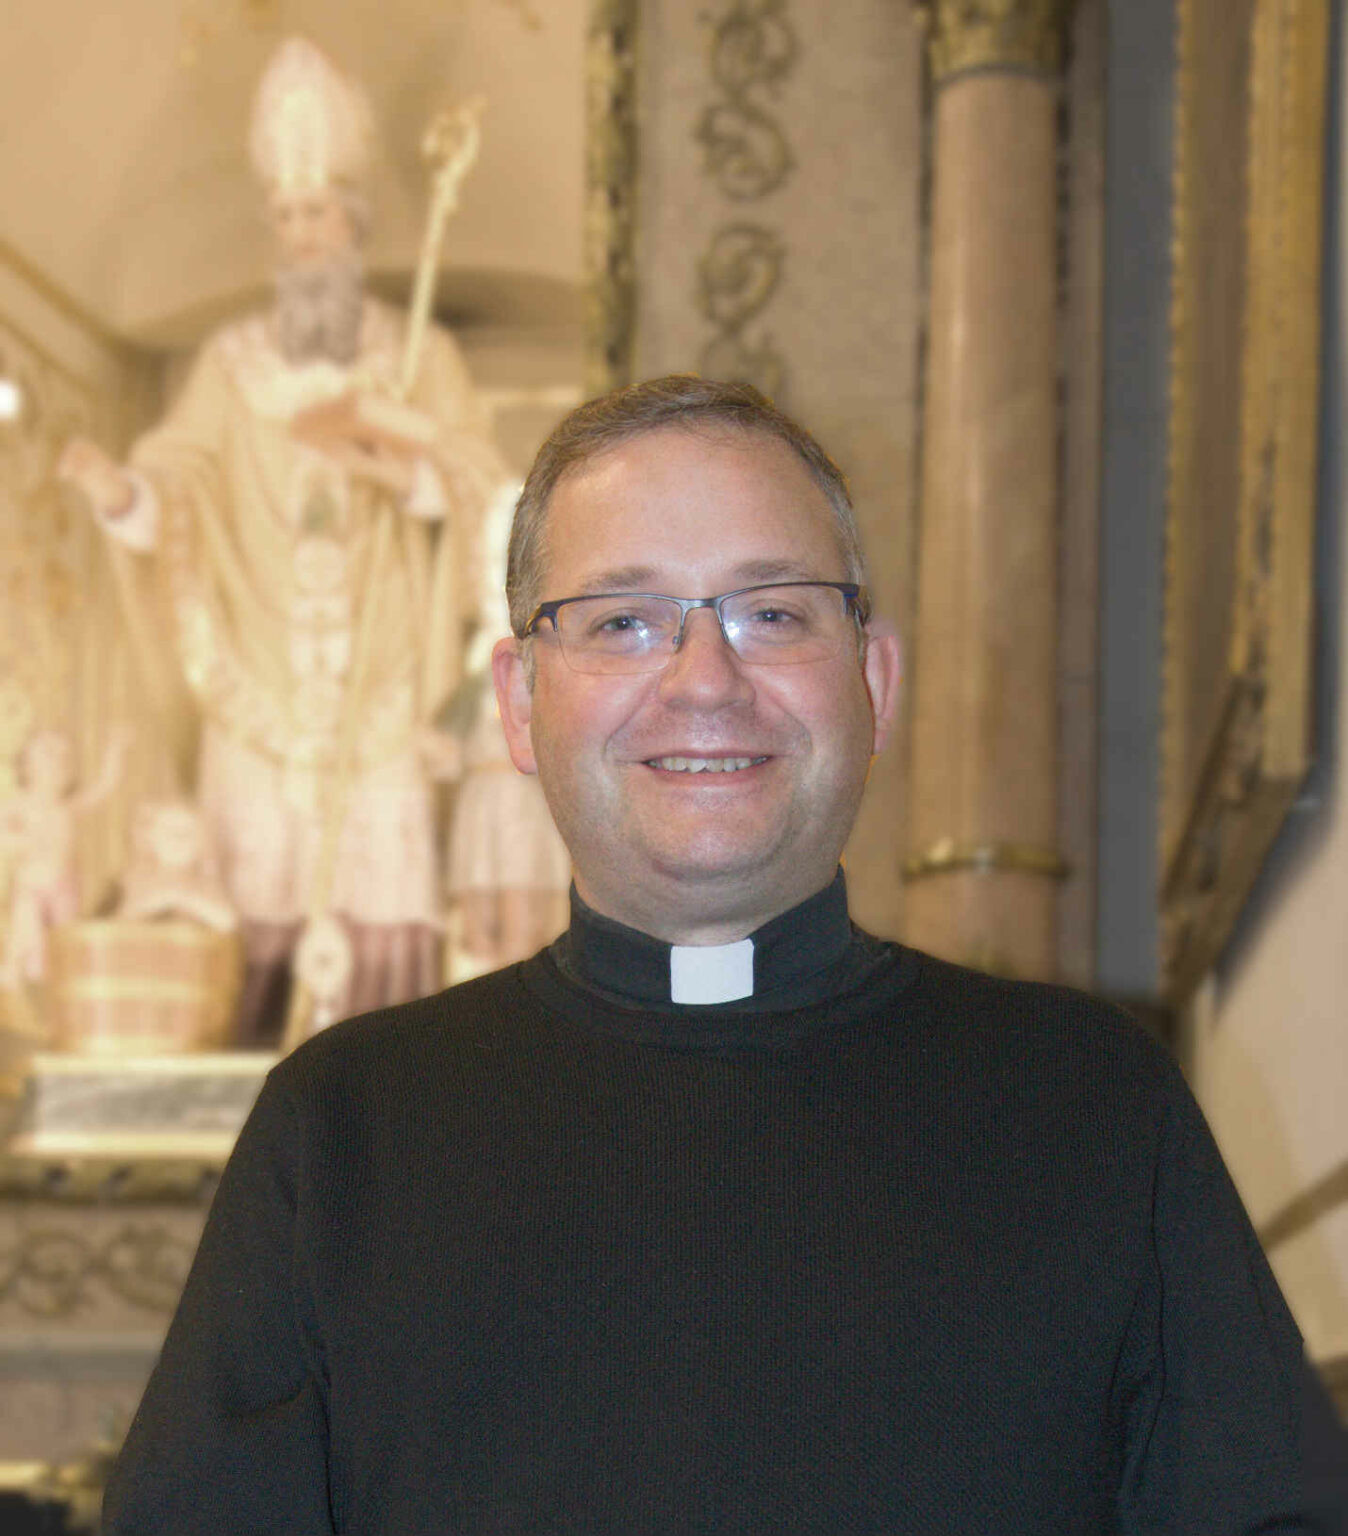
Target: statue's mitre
x=312, y=126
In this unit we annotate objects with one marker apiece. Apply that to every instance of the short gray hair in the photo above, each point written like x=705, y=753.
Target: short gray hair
x=681, y=401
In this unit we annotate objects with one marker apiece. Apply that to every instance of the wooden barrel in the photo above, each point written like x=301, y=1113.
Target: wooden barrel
x=142, y=988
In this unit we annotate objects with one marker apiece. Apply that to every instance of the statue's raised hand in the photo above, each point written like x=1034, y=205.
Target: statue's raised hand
x=102, y=480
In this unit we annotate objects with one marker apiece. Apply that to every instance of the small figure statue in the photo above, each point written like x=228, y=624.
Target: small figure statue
x=161, y=972
x=508, y=869
x=172, y=872
x=324, y=961
x=37, y=831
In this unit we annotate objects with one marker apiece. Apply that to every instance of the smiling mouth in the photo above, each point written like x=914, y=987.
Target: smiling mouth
x=704, y=764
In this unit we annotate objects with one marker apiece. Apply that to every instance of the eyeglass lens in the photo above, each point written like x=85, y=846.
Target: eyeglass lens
x=764, y=626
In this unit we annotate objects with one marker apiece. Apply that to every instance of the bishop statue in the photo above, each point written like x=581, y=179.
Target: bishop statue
x=257, y=499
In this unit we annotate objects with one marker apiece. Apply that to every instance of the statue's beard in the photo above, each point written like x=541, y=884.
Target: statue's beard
x=318, y=310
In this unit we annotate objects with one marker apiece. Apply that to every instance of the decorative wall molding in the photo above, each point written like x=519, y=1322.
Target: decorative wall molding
x=52, y=1271
x=965, y=35
x=611, y=179
x=737, y=277
x=80, y=1179
x=1236, y=700
x=753, y=49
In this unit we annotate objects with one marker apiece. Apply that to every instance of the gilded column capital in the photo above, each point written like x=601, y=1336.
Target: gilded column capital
x=965, y=35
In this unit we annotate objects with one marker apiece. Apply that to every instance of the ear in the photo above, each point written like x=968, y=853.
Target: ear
x=515, y=701
x=883, y=669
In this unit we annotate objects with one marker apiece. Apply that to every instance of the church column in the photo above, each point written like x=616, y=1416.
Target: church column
x=982, y=865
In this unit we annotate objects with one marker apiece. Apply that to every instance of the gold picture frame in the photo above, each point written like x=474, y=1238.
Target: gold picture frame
x=1244, y=399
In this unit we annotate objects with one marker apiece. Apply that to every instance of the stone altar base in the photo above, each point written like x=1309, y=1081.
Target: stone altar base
x=134, y=1107
x=106, y=1172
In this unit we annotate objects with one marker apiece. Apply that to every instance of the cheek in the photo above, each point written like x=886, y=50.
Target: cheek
x=338, y=233
x=577, y=733
x=576, y=715
x=830, y=704
x=563, y=734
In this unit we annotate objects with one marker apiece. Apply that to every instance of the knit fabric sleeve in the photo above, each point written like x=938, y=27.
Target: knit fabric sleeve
x=1212, y=1374
x=231, y=1435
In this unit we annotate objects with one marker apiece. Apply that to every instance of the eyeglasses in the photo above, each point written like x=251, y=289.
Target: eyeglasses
x=781, y=625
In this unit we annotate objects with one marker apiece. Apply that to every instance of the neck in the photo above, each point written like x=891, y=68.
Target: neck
x=721, y=916
x=782, y=963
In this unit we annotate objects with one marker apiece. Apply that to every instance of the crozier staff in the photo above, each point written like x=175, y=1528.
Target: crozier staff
x=718, y=1214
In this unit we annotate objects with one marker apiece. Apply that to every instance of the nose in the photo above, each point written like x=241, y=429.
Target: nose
x=704, y=672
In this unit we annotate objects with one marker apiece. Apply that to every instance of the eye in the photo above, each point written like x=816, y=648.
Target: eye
x=774, y=615
x=615, y=622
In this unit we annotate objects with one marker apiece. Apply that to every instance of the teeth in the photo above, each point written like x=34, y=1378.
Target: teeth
x=704, y=764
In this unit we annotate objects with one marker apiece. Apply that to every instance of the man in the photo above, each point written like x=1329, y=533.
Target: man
x=718, y=1215
x=313, y=665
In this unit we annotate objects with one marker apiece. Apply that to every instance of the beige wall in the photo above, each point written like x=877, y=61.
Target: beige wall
x=1267, y=1049
x=845, y=317
x=1267, y=1039
x=126, y=176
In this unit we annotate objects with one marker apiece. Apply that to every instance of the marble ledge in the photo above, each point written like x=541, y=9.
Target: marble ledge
x=112, y=1129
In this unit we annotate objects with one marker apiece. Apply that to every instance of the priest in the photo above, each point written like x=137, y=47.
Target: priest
x=719, y=1215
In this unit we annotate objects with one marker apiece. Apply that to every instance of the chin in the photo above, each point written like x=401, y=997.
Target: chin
x=720, y=861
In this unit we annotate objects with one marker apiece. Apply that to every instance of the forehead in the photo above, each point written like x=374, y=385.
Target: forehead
x=679, y=507
x=312, y=200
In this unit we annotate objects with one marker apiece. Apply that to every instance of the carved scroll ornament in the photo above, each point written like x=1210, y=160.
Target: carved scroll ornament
x=753, y=48
x=52, y=1271
x=737, y=277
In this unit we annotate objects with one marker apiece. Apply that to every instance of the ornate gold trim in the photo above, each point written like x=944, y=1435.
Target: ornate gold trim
x=1182, y=407
x=946, y=855
x=107, y=934
x=77, y=1484
x=110, y=1180
x=1224, y=799
x=1022, y=35
x=611, y=181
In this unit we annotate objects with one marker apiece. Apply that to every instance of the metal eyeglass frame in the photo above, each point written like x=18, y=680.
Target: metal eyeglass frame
x=855, y=597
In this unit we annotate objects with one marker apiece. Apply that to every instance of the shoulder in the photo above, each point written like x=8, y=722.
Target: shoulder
x=239, y=357
x=243, y=338
x=1039, y=1040
x=404, y=1051
x=974, y=999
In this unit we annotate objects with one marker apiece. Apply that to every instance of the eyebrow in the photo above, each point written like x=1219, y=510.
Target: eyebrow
x=622, y=578
x=637, y=578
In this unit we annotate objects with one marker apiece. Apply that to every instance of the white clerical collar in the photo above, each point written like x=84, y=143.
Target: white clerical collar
x=781, y=959
x=711, y=973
